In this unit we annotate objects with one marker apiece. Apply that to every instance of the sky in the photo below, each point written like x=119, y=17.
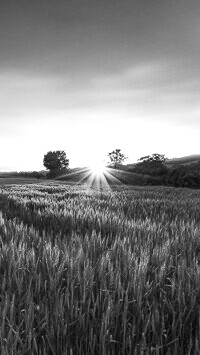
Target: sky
x=90, y=76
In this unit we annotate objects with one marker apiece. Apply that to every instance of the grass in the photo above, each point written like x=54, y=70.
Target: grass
x=17, y=180
x=99, y=272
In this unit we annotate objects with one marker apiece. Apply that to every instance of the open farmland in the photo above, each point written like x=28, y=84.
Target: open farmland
x=99, y=272
x=16, y=180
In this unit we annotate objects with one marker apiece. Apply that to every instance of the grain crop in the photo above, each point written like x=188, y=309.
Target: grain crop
x=85, y=271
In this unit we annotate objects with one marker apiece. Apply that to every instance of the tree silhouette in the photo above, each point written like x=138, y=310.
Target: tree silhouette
x=152, y=165
x=55, y=161
x=155, y=158
x=116, y=157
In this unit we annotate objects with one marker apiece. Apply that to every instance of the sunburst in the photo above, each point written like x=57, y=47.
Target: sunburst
x=98, y=169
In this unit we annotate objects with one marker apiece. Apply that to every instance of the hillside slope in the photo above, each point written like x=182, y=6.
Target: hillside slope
x=187, y=160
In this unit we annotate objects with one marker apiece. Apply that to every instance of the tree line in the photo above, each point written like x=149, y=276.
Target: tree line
x=152, y=169
x=149, y=170
x=157, y=172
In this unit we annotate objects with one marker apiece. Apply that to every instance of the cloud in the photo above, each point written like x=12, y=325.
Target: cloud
x=150, y=90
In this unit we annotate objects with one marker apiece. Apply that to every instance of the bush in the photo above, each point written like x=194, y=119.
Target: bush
x=56, y=172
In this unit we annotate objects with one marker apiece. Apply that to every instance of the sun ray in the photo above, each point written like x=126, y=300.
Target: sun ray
x=98, y=176
x=98, y=168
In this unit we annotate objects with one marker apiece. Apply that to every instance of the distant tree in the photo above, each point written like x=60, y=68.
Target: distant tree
x=56, y=162
x=116, y=157
x=152, y=165
x=32, y=174
x=154, y=158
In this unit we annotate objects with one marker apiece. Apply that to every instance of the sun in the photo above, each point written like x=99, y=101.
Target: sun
x=98, y=168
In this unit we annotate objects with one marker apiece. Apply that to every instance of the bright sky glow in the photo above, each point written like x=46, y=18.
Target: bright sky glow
x=100, y=179
x=90, y=78
x=98, y=168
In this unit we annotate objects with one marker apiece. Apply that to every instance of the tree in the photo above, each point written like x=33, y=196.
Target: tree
x=116, y=157
x=56, y=162
x=152, y=165
x=154, y=158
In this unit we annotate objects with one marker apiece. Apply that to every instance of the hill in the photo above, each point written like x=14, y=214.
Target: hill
x=187, y=160
x=171, y=163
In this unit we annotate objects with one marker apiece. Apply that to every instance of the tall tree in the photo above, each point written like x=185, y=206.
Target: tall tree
x=55, y=162
x=116, y=157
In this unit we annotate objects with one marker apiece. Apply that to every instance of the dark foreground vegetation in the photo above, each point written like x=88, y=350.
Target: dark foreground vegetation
x=90, y=272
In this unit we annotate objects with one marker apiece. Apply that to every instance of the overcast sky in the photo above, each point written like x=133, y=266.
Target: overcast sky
x=89, y=76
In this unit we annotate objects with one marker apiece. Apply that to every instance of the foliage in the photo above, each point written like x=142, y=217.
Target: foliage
x=184, y=176
x=33, y=174
x=56, y=172
x=55, y=161
x=88, y=272
x=116, y=157
x=155, y=171
x=151, y=165
x=154, y=158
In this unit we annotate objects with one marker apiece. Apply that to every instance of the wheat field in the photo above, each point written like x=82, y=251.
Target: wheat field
x=99, y=272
